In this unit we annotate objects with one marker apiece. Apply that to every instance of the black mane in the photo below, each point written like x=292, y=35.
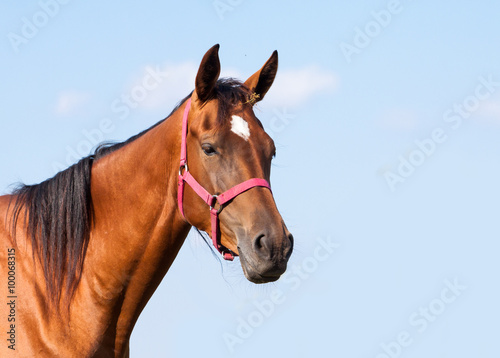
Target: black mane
x=59, y=211
x=229, y=92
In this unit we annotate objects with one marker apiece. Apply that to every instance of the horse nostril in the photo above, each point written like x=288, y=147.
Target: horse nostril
x=257, y=243
x=262, y=245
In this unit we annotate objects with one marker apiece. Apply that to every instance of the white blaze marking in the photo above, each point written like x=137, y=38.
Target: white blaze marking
x=240, y=127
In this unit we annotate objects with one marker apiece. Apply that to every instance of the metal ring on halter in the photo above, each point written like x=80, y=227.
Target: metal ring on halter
x=185, y=166
x=213, y=206
x=214, y=200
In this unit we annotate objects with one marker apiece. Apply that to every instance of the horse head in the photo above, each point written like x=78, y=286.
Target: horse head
x=226, y=145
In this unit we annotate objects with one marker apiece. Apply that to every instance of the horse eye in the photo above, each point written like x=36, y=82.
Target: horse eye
x=208, y=149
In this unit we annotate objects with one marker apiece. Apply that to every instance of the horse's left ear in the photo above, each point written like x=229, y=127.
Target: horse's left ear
x=260, y=82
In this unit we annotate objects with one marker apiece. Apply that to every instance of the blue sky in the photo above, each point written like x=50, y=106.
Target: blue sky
x=386, y=116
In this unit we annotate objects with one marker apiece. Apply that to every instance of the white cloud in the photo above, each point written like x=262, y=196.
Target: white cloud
x=70, y=102
x=398, y=119
x=489, y=111
x=295, y=86
x=174, y=83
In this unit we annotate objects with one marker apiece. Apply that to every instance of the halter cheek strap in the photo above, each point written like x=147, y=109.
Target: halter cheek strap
x=210, y=199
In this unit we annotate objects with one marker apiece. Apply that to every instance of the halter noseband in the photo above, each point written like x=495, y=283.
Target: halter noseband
x=210, y=199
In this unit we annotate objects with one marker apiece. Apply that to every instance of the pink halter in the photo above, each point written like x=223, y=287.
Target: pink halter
x=208, y=198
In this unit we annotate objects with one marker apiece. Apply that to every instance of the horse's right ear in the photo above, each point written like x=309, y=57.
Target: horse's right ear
x=208, y=74
x=260, y=82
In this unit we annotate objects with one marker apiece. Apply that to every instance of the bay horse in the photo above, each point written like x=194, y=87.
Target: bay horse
x=82, y=252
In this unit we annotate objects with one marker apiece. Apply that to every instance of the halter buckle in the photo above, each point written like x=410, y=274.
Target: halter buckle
x=183, y=166
x=212, y=205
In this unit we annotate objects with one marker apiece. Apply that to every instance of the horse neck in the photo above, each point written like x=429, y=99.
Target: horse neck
x=138, y=230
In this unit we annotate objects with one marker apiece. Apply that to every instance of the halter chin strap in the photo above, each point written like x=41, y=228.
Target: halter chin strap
x=221, y=199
